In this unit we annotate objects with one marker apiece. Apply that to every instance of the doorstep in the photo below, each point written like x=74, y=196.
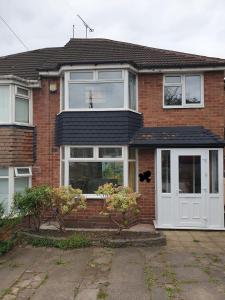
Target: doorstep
x=157, y=227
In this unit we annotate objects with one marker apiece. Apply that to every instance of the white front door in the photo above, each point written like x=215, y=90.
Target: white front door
x=189, y=188
x=190, y=182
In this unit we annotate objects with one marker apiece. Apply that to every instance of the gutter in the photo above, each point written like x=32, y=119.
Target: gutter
x=19, y=80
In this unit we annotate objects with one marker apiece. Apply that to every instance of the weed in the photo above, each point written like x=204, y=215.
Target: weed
x=74, y=241
x=149, y=278
x=196, y=241
x=102, y=294
x=60, y=261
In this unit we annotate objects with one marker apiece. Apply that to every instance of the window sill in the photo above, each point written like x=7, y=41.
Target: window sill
x=94, y=197
x=183, y=107
x=99, y=109
x=17, y=124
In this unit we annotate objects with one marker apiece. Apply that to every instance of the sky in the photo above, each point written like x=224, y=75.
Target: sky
x=193, y=26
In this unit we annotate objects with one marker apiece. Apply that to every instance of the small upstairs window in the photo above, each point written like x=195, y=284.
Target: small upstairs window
x=183, y=91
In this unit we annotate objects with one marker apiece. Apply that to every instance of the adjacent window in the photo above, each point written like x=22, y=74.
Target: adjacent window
x=166, y=171
x=4, y=188
x=87, y=167
x=13, y=180
x=100, y=89
x=15, y=104
x=213, y=172
x=183, y=90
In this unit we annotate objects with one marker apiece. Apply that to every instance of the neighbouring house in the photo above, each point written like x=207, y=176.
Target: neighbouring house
x=98, y=110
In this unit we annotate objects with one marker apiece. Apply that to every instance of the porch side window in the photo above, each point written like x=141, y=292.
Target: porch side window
x=22, y=105
x=183, y=90
x=96, y=166
x=166, y=180
x=213, y=172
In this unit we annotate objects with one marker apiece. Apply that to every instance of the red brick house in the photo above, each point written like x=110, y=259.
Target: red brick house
x=98, y=110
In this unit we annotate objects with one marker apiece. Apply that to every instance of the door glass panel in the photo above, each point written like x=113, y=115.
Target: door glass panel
x=166, y=187
x=190, y=174
x=213, y=171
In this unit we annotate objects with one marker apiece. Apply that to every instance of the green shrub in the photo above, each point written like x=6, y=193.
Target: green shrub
x=34, y=202
x=74, y=241
x=64, y=200
x=119, y=200
x=5, y=246
x=1, y=210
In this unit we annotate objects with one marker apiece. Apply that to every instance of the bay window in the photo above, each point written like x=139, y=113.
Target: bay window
x=13, y=180
x=99, y=90
x=15, y=105
x=88, y=167
x=183, y=91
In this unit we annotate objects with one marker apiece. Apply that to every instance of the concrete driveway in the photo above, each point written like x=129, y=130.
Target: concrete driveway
x=191, y=266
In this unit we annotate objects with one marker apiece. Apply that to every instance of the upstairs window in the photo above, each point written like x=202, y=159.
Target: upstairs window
x=183, y=91
x=15, y=105
x=100, y=90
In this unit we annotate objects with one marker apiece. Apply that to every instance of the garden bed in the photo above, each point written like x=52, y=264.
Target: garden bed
x=107, y=238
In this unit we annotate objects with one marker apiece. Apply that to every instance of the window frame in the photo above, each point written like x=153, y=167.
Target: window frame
x=64, y=106
x=11, y=183
x=64, y=163
x=183, y=89
x=13, y=94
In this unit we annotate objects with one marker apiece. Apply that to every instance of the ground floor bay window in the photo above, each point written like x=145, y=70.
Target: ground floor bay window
x=189, y=188
x=13, y=180
x=88, y=167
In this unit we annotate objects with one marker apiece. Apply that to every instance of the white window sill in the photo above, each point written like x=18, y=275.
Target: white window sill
x=180, y=106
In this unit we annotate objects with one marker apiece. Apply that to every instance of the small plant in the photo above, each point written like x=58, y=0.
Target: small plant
x=66, y=199
x=102, y=294
x=1, y=211
x=34, y=202
x=119, y=201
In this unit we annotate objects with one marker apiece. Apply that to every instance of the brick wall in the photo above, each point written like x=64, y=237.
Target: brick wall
x=46, y=105
x=16, y=146
x=211, y=116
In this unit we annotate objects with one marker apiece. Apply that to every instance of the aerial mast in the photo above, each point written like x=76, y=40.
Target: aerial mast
x=87, y=27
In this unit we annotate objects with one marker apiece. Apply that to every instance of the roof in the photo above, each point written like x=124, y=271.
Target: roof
x=96, y=127
x=181, y=136
x=95, y=51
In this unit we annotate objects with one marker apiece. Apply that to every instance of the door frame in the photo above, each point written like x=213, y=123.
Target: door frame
x=165, y=204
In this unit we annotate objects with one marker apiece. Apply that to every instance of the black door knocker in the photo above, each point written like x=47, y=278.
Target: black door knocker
x=145, y=176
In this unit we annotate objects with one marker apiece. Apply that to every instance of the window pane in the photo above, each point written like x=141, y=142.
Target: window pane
x=4, y=103
x=190, y=174
x=81, y=152
x=4, y=193
x=132, y=91
x=109, y=75
x=22, y=91
x=132, y=175
x=23, y=171
x=96, y=95
x=81, y=75
x=213, y=172
x=110, y=152
x=193, y=89
x=173, y=79
x=22, y=110
x=21, y=184
x=88, y=176
x=4, y=171
x=166, y=183
x=172, y=95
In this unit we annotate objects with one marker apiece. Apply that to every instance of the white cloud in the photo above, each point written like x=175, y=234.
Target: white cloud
x=195, y=26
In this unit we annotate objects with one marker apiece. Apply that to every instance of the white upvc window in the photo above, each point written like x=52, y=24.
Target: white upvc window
x=103, y=89
x=11, y=181
x=183, y=91
x=15, y=105
x=88, y=167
